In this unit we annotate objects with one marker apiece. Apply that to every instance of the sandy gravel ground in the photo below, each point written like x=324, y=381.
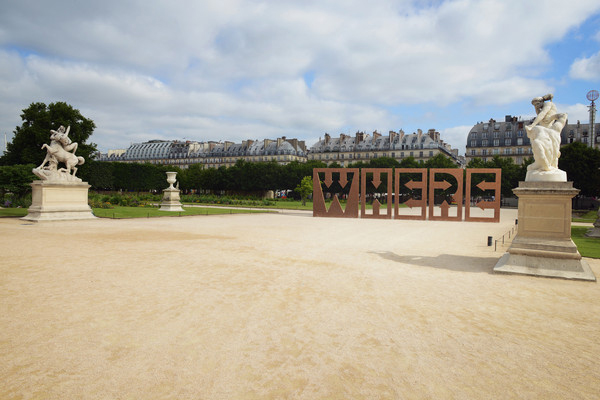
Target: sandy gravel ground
x=285, y=306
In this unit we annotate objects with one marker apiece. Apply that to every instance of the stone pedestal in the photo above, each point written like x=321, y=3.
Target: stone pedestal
x=59, y=201
x=595, y=231
x=543, y=245
x=171, y=201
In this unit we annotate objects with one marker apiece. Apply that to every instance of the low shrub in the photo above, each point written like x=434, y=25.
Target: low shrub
x=11, y=200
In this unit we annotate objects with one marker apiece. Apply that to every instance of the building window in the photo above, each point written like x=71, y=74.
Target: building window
x=421, y=154
x=520, y=150
x=496, y=142
x=484, y=143
x=484, y=152
x=507, y=151
x=507, y=134
x=473, y=143
x=519, y=133
x=431, y=154
x=473, y=152
x=519, y=141
x=496, y=151
x=507, y=142
x=496, y=134
x=484, y=135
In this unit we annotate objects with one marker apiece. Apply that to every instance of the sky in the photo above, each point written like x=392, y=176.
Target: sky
x=243, y=69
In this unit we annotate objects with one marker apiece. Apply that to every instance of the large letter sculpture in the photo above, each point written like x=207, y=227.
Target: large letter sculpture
x=456, y=197
x=412, y=185
x=335, y=209
x=495, y=186
x=421, y=192
x=376, y=182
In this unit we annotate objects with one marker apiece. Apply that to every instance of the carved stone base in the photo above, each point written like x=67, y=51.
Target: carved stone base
x=543, y=245
x=554, y=175
x=555, y=260
x=594, y=232
x=170, y=201
x=58, y=201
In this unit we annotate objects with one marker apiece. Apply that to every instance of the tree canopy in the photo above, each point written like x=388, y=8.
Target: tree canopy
x=38, y=120
x=305, y=188
x=581, y=163
x=244, y=177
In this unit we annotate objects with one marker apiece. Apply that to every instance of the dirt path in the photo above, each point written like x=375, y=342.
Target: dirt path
x=272, y=306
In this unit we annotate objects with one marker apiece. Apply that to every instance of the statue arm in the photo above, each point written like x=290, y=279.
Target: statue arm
x=542, y=114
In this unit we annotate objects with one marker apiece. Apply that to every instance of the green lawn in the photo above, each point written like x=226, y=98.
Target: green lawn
x=287, y=205
x=13, y=212
x=139, y=212
x=148, y=212
x=588, y=247
x=589, y=216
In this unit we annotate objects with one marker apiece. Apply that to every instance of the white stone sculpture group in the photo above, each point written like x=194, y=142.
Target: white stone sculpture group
x=544, y=133
x=61, y=149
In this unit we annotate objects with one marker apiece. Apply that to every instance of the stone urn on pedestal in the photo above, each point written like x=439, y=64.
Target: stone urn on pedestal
x=171, y=201
x=543, y=245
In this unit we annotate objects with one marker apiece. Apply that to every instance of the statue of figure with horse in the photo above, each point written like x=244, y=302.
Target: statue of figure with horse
x=60, y=150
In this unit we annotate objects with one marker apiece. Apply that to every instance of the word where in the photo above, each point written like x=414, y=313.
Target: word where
x=422, y=192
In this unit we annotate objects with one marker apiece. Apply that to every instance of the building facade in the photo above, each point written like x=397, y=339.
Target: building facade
x=509, y=139
x=210, y=154
x=363, y=147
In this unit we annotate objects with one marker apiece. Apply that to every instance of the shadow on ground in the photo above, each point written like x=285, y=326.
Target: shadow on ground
x=449, y=262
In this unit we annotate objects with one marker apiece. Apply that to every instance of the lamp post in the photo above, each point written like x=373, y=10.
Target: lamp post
x=592, y=96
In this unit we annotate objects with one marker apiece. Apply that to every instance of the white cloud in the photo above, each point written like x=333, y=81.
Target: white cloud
x=457, y=137
x=576, y=112
x=586, y=68
x=233, y=69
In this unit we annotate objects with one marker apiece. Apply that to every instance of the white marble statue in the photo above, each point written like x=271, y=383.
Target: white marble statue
x=61, y=150
x=544, y=133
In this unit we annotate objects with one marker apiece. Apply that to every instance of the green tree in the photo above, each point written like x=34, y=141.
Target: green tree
x=383, y=162
x=305, y=188
x=510, y=173
x=581, y=163
x=440, y=161
x=100, y=175
x=38, y=120
x=410, y=162
x=15, y=179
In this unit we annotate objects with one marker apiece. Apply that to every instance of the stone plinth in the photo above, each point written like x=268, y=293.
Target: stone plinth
x=171, y=201
x=59, y=201
x=543, y=245
x=595, y=231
